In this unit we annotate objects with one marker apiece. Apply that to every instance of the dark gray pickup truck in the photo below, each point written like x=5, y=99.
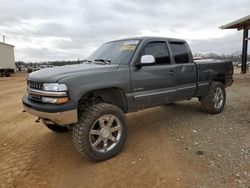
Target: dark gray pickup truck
x=119, y=77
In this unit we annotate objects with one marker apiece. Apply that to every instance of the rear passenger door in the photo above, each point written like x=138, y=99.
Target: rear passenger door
x=185, y=70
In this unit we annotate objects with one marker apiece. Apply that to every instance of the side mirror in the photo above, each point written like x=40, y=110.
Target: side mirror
x=147, y=60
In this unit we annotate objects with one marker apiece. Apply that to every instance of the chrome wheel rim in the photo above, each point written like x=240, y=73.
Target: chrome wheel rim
x=218, y=98
x=105, y=133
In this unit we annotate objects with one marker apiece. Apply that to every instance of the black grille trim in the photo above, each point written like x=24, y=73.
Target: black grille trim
x=35, y=85
x=36, y=97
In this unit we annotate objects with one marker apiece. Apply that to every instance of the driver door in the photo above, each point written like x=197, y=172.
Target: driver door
x=154, y=84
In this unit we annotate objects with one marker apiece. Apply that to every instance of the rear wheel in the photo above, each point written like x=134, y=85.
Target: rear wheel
x=57, y=128
x=215, y=100
x=100, y=132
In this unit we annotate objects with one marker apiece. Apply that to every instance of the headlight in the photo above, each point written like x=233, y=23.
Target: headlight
x=54, y=87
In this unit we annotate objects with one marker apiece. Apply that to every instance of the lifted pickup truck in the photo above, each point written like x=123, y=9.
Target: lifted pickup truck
x=122, y=76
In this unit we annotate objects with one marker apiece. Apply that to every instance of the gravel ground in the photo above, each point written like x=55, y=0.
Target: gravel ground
x=169, y=146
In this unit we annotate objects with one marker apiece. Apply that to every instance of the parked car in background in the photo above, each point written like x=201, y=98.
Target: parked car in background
x=50, y=66
x=32, y=68
x=235, y=64
x=238, y=64
x=42, y=67
x=45, y=66
x=36, y=67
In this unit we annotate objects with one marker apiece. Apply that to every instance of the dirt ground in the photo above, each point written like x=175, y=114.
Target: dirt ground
x=169, y=146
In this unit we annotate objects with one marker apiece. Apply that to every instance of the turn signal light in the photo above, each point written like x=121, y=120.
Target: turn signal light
x=62, y=100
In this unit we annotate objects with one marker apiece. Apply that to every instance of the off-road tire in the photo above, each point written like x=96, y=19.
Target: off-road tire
x=208, y=103
x=86, y=119
x=56, y=128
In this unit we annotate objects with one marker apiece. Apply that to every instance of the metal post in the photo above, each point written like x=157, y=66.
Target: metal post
x=244, y=51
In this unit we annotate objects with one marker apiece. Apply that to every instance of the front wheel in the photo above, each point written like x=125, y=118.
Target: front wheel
x=100, y=132
x=215, y=100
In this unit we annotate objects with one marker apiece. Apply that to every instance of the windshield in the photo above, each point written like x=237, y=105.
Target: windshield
x=118, y=52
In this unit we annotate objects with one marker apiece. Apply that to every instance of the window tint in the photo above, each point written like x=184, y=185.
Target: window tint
x=159, y=51
x=180, y=52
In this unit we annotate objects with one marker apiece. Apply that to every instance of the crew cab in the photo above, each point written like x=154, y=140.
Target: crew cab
x=119, y=77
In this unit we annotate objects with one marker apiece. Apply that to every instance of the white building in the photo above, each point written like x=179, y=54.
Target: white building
x=7, y=59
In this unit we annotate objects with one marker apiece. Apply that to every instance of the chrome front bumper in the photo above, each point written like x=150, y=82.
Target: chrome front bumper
x=60, y=118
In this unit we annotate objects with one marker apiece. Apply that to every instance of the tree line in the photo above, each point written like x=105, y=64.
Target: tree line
x=55, y=63
x=235, y=57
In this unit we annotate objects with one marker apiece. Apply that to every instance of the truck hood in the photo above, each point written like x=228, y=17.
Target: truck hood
x=56, y=73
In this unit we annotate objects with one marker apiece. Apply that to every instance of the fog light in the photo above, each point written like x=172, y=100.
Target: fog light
x=49, y=100
x=62, y=100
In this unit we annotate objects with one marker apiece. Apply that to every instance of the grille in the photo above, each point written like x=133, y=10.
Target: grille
x=35, y=85
x=35, y=97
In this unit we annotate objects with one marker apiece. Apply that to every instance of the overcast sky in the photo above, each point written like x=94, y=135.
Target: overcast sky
x=70, y=29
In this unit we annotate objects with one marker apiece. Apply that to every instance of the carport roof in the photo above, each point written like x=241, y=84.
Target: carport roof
x=238, y=24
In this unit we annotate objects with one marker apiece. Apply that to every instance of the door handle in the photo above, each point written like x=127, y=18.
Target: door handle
x=171, y=71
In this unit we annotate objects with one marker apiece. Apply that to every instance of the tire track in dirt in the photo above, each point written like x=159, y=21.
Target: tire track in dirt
x=160, y=150
x=17, y=160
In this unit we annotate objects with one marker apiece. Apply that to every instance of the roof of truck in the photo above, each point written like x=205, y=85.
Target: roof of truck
x=150, y=37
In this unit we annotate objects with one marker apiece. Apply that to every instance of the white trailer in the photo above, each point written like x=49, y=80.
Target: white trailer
x=7, y=59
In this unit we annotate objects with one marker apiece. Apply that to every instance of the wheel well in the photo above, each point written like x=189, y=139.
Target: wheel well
x=219, y=78
x=114, y=96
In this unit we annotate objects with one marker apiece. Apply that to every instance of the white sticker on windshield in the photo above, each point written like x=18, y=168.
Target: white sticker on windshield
x=128, y=48
x=131, y=42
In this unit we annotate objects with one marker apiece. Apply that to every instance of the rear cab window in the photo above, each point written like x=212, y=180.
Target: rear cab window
x=180, y=52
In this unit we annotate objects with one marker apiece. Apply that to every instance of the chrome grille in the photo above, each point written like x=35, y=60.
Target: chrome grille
x=35, y=85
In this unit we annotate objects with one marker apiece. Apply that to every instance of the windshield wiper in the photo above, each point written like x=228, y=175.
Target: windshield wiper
x=105, y=61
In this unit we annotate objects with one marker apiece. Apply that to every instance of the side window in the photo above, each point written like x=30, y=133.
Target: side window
x=180, y=52
x=159, y=51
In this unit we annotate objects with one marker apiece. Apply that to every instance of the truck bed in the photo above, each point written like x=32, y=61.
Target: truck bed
x=212, y=69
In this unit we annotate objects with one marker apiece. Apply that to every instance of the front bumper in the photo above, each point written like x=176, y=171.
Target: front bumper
x=65, y=117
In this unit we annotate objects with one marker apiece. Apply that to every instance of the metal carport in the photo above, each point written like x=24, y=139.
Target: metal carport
x=241, y=24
